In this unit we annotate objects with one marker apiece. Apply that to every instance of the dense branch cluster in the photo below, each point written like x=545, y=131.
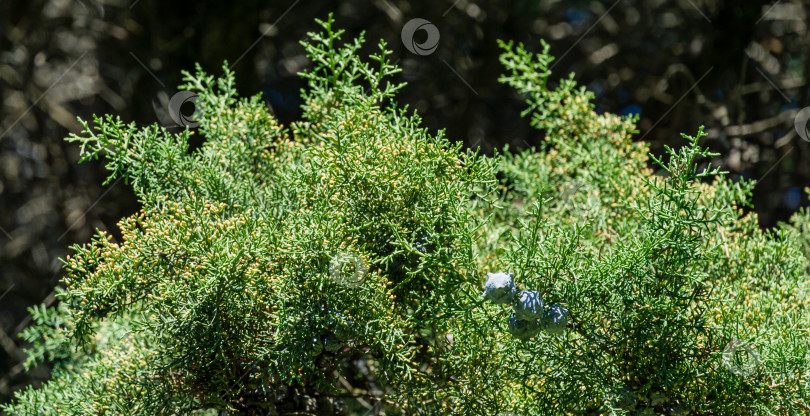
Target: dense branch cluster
x=337, y=265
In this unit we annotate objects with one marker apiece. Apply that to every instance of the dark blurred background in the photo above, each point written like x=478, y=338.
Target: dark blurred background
x=737, y=67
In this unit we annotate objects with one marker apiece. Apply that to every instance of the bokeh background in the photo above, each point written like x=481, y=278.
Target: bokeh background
x=739, y=68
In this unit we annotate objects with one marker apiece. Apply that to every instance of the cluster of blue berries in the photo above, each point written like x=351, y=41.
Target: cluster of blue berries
x=530, y=316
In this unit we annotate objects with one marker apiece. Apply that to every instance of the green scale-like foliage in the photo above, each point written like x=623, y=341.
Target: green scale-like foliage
x=339, y=263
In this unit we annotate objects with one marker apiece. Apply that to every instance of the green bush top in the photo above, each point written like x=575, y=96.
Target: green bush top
x=339, y=264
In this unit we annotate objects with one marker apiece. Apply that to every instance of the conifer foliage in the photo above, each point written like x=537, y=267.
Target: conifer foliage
x=353, y=263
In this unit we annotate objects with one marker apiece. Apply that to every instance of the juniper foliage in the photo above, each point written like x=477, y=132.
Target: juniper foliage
x=338, y=264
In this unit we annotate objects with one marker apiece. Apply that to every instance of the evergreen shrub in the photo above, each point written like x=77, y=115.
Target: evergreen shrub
x=339, y=265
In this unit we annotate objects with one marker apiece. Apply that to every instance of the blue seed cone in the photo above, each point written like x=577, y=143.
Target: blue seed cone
x=529, y=305
x=555, y=319
x=500, y=288
x=523, y=329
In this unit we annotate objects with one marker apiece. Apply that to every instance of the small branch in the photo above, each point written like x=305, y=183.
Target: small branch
x=760, y=125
